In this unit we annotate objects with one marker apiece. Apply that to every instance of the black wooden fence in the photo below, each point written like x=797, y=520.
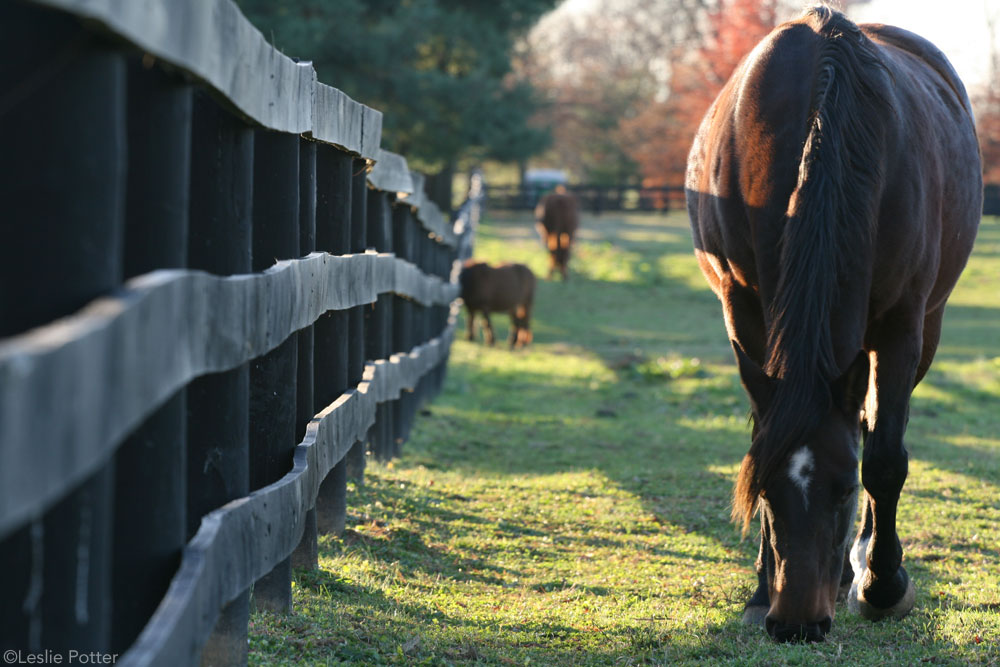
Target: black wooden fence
x=217, y=293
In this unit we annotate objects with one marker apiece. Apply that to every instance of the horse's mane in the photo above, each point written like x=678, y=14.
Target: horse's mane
x=830, y=216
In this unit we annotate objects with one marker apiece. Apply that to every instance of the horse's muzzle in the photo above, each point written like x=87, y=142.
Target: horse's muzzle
x=794, y=632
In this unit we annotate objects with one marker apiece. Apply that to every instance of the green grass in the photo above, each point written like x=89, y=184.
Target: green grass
x=568, y=504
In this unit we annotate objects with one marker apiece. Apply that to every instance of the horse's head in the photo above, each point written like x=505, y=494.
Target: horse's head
x=805, y=487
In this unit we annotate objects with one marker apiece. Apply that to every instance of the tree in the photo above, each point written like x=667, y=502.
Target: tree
x=659, y=137
x=440, y=70
x=987, y=106
x=599, y=68
x=628, y=83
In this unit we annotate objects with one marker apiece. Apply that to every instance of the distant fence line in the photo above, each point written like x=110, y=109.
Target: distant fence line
x=599, y=198
x=591, y=198
x=217, y=294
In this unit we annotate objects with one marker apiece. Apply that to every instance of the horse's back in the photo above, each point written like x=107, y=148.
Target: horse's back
x=934, y=183
x=560, y=213
x=743, y=166
x=909, y=160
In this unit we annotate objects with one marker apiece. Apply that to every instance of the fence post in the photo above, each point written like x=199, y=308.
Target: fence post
x=63, y=231
x=220, y=242
x=386, y=301
x=306, y=555
x=402, y=321
x=416, y=334
x=378, y=326
x=356, y=342
x=331, y=331
x=272, y=375
x=150, y=466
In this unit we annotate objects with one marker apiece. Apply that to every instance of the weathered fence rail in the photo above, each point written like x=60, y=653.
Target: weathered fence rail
x=217, y=295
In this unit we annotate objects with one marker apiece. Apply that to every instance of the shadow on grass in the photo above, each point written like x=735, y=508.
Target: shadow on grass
x=376, y=621
x=670, y=443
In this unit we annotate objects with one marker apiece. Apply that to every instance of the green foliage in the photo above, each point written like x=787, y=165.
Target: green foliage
x=569, y=504
x=440, y=70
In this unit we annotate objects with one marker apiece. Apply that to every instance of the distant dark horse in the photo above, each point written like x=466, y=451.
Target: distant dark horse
x=834, y=190
x=557, y=219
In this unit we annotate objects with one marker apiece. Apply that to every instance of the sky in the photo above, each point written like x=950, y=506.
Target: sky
x=957, y=27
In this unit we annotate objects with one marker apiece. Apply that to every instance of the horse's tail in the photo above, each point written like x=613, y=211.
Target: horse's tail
x=831, y=217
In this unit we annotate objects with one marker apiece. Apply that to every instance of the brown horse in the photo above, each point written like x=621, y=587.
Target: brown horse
x=508, y=288
x=557, y=221
x=834, y=190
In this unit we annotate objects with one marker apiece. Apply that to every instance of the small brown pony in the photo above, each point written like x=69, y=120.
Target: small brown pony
x=506, y=288
x=834, y=190
x=557, y=221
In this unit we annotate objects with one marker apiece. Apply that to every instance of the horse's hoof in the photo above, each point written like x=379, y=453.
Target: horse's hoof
x=856, y=603
x=844, y=593
x=755, y=615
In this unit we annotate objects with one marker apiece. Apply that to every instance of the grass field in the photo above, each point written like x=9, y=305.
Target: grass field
x=568, y=504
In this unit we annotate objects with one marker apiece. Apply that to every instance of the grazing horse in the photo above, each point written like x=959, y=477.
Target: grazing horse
x=506, y=288
x=557, y=221
x=834, y=190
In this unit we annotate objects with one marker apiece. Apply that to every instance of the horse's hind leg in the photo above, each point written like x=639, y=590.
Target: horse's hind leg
x=932, y=335
x=881, y=585
x=488, y=328
x=520, y=334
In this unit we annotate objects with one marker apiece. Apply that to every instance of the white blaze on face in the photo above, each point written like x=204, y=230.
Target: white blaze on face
x=800, y=469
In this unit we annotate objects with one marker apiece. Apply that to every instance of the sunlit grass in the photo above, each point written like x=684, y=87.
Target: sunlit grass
x=568, y=504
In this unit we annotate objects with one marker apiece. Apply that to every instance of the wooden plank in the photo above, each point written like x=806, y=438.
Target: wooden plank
x=271, y=89
x=339, y=120
x=391, y=173
x=145, y=342
x=212, y=40
x=417, y=198
x=241, y=541
x=428, y=214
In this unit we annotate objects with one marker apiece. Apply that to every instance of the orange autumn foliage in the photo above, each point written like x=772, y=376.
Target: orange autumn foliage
x=987, y=108
x=660, y=135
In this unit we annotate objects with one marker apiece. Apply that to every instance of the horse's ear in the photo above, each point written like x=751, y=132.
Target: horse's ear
x=850, y=388
x=758, y=385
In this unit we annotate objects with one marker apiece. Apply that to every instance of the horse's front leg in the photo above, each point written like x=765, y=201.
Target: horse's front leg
x=470, y=333
x=759, y=603
x=881, y=585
